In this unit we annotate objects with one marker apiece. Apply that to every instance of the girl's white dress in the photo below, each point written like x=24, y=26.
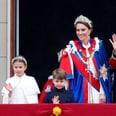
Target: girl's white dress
x=25, y=90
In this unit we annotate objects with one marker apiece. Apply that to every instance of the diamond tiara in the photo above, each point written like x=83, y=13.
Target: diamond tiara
x=83, y=19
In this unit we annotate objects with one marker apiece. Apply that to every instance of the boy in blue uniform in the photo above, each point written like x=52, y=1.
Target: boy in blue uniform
x=59, y=94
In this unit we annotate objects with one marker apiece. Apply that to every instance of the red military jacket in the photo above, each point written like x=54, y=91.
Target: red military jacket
x=112, y=62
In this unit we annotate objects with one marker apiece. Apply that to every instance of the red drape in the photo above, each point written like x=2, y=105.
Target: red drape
x=67, y=109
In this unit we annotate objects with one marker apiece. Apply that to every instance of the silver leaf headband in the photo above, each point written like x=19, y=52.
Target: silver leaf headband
x=19, y=58
x=83, y=19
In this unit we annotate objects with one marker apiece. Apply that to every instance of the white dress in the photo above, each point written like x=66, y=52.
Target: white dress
x=25, y=90
x=93, y=94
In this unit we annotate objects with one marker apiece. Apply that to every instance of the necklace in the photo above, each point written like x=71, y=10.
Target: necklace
x=85, y=58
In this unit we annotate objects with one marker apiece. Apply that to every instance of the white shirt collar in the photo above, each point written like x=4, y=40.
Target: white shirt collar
x=86, y=46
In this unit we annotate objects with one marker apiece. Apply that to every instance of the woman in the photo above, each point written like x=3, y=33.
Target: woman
x=85, y=63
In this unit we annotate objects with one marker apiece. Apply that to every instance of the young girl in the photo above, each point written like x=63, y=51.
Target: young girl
x=21, y=88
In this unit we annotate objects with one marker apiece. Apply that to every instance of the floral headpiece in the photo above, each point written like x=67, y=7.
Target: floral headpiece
x=83, y=19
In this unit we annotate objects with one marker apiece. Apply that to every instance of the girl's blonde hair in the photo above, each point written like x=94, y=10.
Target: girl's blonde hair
x=19, y=59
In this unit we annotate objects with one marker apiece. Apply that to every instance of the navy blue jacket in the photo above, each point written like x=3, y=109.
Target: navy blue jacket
x=64, y=96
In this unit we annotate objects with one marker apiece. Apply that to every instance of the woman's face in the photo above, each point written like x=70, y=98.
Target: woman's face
x=82, y=32
x=19, y=68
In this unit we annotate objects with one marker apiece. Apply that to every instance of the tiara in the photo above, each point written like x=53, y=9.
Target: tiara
x=83, y=19
x=19, y=58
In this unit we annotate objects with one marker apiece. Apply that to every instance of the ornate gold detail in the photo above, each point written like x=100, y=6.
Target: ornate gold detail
x=57, y=111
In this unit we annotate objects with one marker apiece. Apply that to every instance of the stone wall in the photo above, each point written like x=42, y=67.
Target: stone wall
x=3, y=43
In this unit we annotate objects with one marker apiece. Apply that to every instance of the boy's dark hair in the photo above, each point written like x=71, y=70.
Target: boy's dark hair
x=59, y=74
